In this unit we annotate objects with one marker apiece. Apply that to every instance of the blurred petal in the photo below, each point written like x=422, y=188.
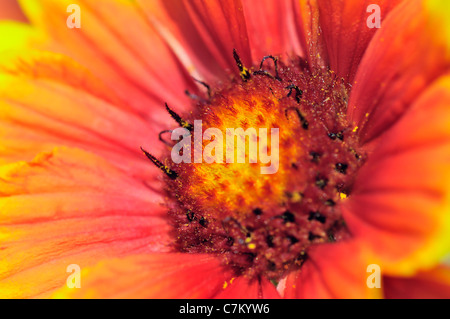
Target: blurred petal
x=10, y=10
x=19, y=36
x=243, y=288
x=400, y=203
x=387, y=82
x=271, y=28
x=70, y=207
x=332, y=271
x=156, y=276
x=204, y=32
x=48, y=100
x=133, y=60
x=432, y=284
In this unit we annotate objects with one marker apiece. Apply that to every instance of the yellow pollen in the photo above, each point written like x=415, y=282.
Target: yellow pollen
x=296, y=197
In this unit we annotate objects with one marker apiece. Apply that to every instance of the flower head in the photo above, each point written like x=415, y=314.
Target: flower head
x=347, y=165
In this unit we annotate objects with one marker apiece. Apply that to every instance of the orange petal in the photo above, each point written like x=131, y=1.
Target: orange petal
x=156, y=276
x=204, y=32
x=70, y=207
x=48, y=100
x=401, y=198
x=243, y=288
x=10, y=10
x=133, y=60
x=432, y=284
x=332, y=271
x=408, y=53
x=345, y=32
x=271, y=28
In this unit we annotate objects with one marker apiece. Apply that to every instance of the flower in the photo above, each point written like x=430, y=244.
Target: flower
x=76, y=105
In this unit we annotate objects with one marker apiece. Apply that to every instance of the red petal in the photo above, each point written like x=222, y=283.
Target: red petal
x=270, y=28
x=70, y=207
x=345, y=31
x=403, y=58
x=432, y=284
x=332, y=271
x=400, y=202
x=156, y=276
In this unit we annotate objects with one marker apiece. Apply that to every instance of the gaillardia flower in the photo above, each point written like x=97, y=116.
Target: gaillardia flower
x=349, y=199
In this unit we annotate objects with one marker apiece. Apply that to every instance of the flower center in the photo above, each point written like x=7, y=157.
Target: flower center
x=260, y=214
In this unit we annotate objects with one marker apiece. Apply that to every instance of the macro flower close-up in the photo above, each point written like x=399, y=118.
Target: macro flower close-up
x=185, y=149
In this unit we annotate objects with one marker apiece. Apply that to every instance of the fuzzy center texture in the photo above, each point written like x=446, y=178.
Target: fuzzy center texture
x=263, y=224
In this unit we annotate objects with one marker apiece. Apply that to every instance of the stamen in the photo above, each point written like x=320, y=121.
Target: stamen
x=292, y=239
x=178, y=119
x=298, y=92
x=341, y=168
x=194, y=96
x=331, y=237
x=317, y=216
x=269, y=241
x=301, y=259
x=315, y=157
x=171, y=174
x=203, y=222
x=244, y=230
x=190, y=216
x=263, y=72
x=257, y=211
x=288, y=217
x=162, y=140
x=312, y=236
x=243, y=71
x=321, y=182
x=338, y=135
x=330, y=202
x=208, y=88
